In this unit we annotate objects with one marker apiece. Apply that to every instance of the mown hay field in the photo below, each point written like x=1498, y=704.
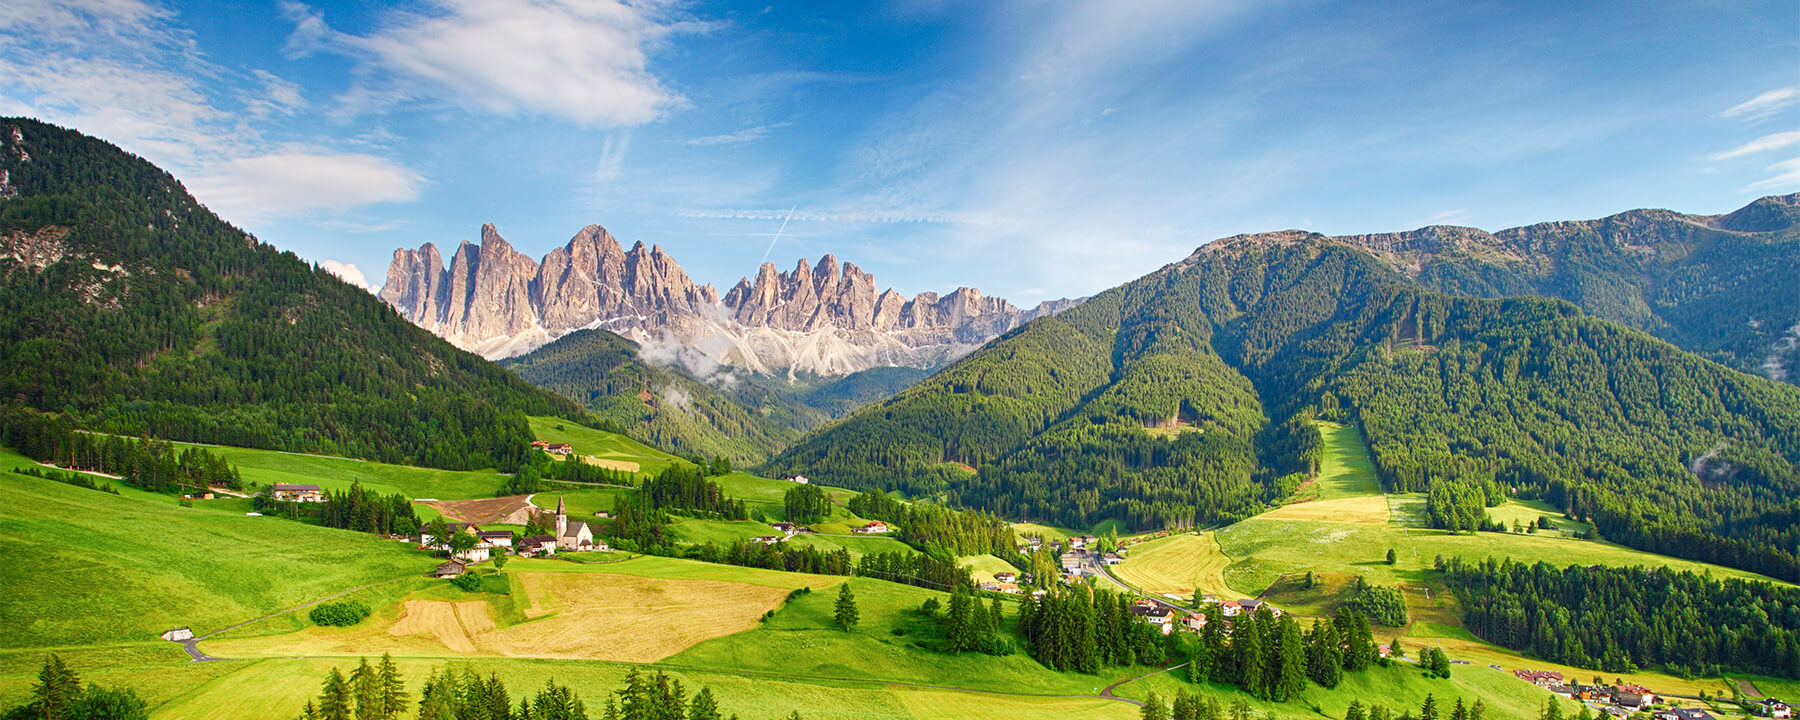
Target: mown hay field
x=1181, y=564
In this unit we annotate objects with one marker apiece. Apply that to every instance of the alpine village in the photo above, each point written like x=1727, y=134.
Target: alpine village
x=1199, y=468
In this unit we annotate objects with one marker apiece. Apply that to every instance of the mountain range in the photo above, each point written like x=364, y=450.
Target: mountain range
x=823, y=320
x=1191, y=396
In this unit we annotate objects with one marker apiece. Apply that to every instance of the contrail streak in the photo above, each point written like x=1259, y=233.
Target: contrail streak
x=784, y=222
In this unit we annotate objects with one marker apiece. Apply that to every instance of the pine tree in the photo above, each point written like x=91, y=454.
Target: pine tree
x=56, y=690
x=1478, y=711
x=1429, y=710
x=1200, y=664
x=1185, y=707
x=956, y=620
x=846, y=615
x=1325, y=663
x=1290, y=678
x=1355, y=711
x=334, y=697
x=1460, y=712
x=310, y=712
x=1153, y=708
x=1552, y=710
x=393, y=689
x=704, y=707
x=1249, y=657
x=366, y=689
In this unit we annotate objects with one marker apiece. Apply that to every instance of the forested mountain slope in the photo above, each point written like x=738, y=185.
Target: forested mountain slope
x=1184, y=397
x=130, y=308
x=1721, y=285
x=730, y=413
x=660, y=405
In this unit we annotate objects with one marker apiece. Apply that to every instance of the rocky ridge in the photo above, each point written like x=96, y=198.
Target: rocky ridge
x=828, y=319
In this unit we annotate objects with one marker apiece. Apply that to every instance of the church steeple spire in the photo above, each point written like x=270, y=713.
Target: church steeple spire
x=562, y=520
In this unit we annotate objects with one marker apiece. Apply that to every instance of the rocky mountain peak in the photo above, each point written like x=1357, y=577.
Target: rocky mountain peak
x=828, y=317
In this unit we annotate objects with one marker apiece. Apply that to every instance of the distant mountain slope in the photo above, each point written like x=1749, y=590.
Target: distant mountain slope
x=729, y=413
x=127, y=305
x=1183, y=398
x=1727, y=286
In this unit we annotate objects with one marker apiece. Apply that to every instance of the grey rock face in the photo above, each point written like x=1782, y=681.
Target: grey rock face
x=831, y=318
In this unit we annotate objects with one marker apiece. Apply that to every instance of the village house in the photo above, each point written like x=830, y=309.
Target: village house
x=989, y=586
x=1232, y=608
x=288, y=492
x=795, y=479
x=874, y=527
x=767, y=539
x=1112, y=559
x=1077, y=543
x=1157, y=615
x=786, y=528
x=178, y=634
x=1209, y=598
x=1072, y=562
x=449, y=569
x=1008, y=588
x=1006, y=577
x=559, y=448
x=538, y=545
x=477, y=554
x=496, y=538
x=1628, y=700
x=1249, y=605
x=540, y=444
x=1383, y=650
x=1683, y=714
x=424, y=539
x=1195, y=623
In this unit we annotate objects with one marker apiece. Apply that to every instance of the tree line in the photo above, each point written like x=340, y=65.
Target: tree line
x=354, y=509
x=1622, y=619
x=1085, y=629
x=1273, y=658
x=144, y=463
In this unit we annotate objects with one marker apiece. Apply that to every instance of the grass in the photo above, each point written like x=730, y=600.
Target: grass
x=264, y=467
x=983, y=567
x=857, y=546
x=86, y=567
x=1401, y=686
x=1527, y=512
x=1182, y=564
x=602, y=444
x=587, y=616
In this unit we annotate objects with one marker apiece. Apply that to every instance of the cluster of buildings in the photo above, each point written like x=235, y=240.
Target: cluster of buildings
x=787, y=530
x=553, y=448
x=1623, y=700
x=569, y=535
x=290, y=492
x=1008, y=582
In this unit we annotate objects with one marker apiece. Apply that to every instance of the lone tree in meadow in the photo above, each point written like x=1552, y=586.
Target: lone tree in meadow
x=846, y=615
x=1392, y=557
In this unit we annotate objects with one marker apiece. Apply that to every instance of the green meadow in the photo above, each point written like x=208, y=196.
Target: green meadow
x=602, y=444
x=86, y=567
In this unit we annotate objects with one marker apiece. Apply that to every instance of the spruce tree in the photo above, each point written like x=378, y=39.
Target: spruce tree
x=1249, y=657
x=1355, y=711
x=845, y=614
x=704, y=706
x=1460, y=712
x=1290, y=678
x=334, y=697
x=56, y=690
x=1429, y=710
x=1185, y=707
x=366, y=688
x=1153, y=708
x=1478, y=711
x=393, y=689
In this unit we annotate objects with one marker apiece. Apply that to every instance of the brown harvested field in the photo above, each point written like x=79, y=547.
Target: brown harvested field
x=574, y=616
x=611, y=464
x=1364, y=510
x=485, y=510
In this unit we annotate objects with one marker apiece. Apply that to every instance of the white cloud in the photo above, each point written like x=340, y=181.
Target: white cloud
x=1787, y=177
x=1773, y=141
x=293, y=182
x=750, y=134
x=582, y=61
x=1764, y=105
x=612, y=157
x=349, y=272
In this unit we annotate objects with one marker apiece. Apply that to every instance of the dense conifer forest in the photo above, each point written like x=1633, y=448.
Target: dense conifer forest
x=132, y=309
x=1622, y=619
x=1184, y=398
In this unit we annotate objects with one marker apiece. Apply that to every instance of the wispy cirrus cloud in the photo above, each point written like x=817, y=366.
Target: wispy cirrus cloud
x=1764, y=105
x=749, y=134
x=1766, y=143
x=586, y=62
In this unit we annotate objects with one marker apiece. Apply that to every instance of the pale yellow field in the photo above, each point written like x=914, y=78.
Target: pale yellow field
x=611, y=464
x=983, y=567
x=1364, y=510
x=576, y=616
x=1182, y=564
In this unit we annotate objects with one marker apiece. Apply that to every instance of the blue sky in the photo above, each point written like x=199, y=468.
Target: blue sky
x=1032, y=149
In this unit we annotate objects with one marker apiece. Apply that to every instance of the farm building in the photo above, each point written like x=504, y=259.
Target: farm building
x=874, y=527
x=538, y=545
x=796, y=479
x=559, y=448
x=1683, y=714
x=288, y=492
x=449, y=569
x=178, y=634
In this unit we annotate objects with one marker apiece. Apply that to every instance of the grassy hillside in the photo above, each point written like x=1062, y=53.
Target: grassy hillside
x=87, y=567
x=623, y=450
x=1247, y=341
x=118, y=284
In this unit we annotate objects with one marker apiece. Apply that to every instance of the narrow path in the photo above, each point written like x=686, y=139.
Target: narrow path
x=192, y=645
x=1108, y=692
